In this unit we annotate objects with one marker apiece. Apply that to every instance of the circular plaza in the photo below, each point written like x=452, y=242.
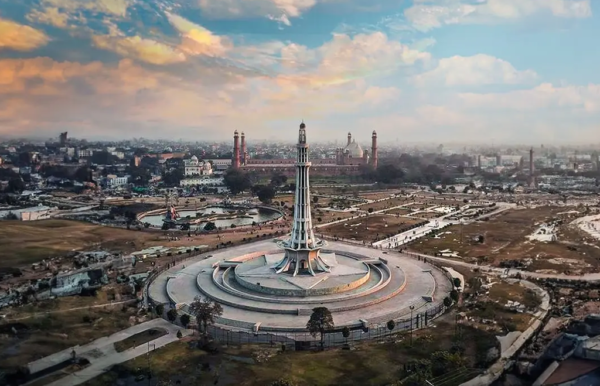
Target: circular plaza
x=362, y=286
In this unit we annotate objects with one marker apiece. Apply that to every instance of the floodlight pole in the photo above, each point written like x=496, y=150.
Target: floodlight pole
x=411, y=325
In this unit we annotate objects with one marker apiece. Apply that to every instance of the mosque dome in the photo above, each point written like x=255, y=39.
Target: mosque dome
x=194, y=158
x=354, y=150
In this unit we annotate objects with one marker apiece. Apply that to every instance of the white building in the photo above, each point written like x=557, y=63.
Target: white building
x=202, y=181
x=111, y=181
x=221, y=164
x=193, y=167
x=82, y=153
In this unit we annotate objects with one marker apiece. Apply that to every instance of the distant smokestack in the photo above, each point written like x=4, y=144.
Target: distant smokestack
x=531, y=168
x=374, y=152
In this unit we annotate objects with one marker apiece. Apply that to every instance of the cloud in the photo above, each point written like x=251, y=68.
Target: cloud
x=427, y=14
x=20, y=37
x=49, y=15
x=576, y=99
x=72, y=14
x=146, y=50
x=197, y=40
x=477, y=70
x=280, y=10
x=346, y=58
x=110, y=7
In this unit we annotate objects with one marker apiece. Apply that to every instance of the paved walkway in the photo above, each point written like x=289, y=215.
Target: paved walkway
x=102, y=354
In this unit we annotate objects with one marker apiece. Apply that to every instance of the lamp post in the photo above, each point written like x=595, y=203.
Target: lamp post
x=148, y=360
x=411, y=324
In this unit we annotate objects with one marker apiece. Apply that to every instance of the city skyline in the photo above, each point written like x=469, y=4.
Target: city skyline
x=416, y=71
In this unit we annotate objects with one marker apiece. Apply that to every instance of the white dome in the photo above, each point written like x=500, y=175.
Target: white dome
x=354, y=150
x=194, y=158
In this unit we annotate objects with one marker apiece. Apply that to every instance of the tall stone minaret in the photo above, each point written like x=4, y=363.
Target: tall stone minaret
x=374, y=152
x=302, y=249
x=236, y=150
x=349, y=139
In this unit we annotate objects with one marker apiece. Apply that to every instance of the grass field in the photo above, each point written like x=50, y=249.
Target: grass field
x=506, y=238
x=369, y=228
x=42, y=335
x=24, y=243
x=375, y=363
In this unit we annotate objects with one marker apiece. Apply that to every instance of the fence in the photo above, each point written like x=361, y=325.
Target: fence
x=331, y=338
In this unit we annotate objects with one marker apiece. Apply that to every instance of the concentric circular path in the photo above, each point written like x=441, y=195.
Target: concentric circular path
x=390, y=284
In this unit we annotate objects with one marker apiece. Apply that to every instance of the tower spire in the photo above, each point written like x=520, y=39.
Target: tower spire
x=302, y=249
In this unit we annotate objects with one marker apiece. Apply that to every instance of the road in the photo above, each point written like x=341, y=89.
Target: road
x=102, y=354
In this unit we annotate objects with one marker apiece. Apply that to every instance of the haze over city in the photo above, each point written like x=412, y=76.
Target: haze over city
x=511, y=71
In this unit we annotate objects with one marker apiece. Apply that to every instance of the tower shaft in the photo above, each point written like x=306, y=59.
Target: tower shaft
x=302, y=249
x=374, y=151
x=236, y=150
x=244, y=152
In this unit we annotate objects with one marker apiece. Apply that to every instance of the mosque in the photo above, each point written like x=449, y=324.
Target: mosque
x=349, y=160
x=195, y=168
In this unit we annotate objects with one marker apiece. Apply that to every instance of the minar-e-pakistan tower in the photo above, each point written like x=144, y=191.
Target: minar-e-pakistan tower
x=302, y=249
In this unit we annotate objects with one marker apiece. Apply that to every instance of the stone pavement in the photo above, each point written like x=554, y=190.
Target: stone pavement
x=102, y=354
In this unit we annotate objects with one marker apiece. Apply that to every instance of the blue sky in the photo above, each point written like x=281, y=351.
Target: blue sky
x=517, y=71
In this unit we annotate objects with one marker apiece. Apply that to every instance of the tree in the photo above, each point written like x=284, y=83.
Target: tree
x=172, y=314
x=370, y=210
x=391, y=324
x=443, y=362
x=82, y=174
x=265, y=194
x=454, y=295
x=456, y=281
x=16, y=185
x=205, y=310
x=320, y=321
x=315, y=199
x=185, y=320
x=278, y=180
x=159, y=309
x=210, y=226
x=237, y=181
x=447, y=301
x=346, y=333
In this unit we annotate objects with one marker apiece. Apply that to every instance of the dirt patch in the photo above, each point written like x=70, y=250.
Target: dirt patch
x=506, y=241
x=370, y=228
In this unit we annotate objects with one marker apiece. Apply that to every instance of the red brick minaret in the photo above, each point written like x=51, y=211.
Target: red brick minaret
x=236, y=150
x=374, y=154
x=244, y=152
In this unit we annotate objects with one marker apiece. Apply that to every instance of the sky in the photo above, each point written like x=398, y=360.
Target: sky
x=479, y=71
